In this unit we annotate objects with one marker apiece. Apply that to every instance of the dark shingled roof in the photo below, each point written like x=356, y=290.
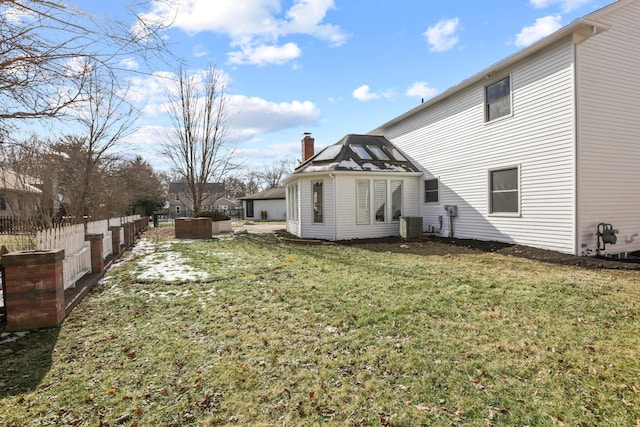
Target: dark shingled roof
x=270, y=194
x=369, y=153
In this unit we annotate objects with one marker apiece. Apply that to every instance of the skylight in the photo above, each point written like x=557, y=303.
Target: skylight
x=329, y=153
x=377, y=152
x=361, y=152
x=396, y=154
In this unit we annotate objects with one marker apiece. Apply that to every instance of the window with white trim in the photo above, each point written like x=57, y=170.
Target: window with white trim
x=317, y=197
x=504, y=191
x=292, y=202
x=380, y=200
x=362, y=201
x=431, y=191
x=498, y=99
x=396, y=200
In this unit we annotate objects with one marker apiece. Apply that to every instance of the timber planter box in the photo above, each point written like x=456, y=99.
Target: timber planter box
x=193, y=228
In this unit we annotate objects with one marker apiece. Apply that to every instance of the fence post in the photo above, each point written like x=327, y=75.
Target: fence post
x=34, y=289
x=115, y=240
x=97, y=261
x=128, y=234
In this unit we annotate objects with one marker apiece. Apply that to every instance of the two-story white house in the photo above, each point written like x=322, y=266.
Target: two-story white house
x=540, y=149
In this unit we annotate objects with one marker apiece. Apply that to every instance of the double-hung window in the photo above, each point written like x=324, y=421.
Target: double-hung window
x=431, y=191
x=504, y=185
x=498, y=99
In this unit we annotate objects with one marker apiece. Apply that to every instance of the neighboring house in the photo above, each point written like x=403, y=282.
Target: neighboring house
x=19, y=198
x=232, y=207
x=224, y=204
x=539, y=149
x=265, y=205
x=356, y=188
x=180, y=203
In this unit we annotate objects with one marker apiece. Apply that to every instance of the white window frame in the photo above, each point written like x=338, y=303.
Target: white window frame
x=377, y=200
x=313, y=201
x=486, y=104
x=490, y=191
x=363, y=184
x=292, y=202
x=391, y=187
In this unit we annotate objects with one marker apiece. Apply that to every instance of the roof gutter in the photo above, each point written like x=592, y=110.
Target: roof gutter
x=581, y=29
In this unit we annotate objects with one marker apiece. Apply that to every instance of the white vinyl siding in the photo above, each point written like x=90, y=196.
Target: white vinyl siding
x=609, y=126
x=452, y=141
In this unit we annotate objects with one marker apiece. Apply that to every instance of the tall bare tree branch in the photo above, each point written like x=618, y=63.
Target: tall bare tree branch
x=197, y=147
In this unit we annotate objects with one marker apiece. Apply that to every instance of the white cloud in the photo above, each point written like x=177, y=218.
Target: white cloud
x=263, y=55
x=543, y=27
x=256, y=115
x=130, y=64
x=565, y=5
x=253, y=25
x=442, y=36
x=421, y=90
x=363, y=93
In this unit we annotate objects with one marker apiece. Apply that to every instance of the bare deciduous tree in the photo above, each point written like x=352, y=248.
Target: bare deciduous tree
x=45, y=48
x=105, y=119
x=197, y=147
x=271, y=175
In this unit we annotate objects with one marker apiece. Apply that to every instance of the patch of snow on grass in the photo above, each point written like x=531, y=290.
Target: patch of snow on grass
x=169, y=267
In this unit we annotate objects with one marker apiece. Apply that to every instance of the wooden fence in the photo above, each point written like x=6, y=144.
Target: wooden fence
x=102, y=227
x=77, y=253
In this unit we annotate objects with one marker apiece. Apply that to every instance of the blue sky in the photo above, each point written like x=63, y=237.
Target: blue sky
x=331, y=67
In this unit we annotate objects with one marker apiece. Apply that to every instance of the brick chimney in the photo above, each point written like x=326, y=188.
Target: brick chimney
x=307, y=147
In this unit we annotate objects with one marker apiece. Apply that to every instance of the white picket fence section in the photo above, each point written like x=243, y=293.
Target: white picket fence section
x=77, y=253
x=119, y=222
x=102, y=227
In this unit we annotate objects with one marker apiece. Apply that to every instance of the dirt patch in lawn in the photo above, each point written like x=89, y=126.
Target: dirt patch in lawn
x=440, y=245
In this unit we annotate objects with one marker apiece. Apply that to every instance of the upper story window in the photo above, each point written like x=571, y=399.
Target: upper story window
x=504, y=191
x=431, y=191
x=498, y=99
x=177, y=197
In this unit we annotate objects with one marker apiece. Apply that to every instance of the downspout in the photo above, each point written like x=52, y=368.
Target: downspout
x=576, y=148
x=335, y=210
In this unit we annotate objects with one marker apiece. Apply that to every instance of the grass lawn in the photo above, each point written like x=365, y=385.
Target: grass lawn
x=374, y=334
